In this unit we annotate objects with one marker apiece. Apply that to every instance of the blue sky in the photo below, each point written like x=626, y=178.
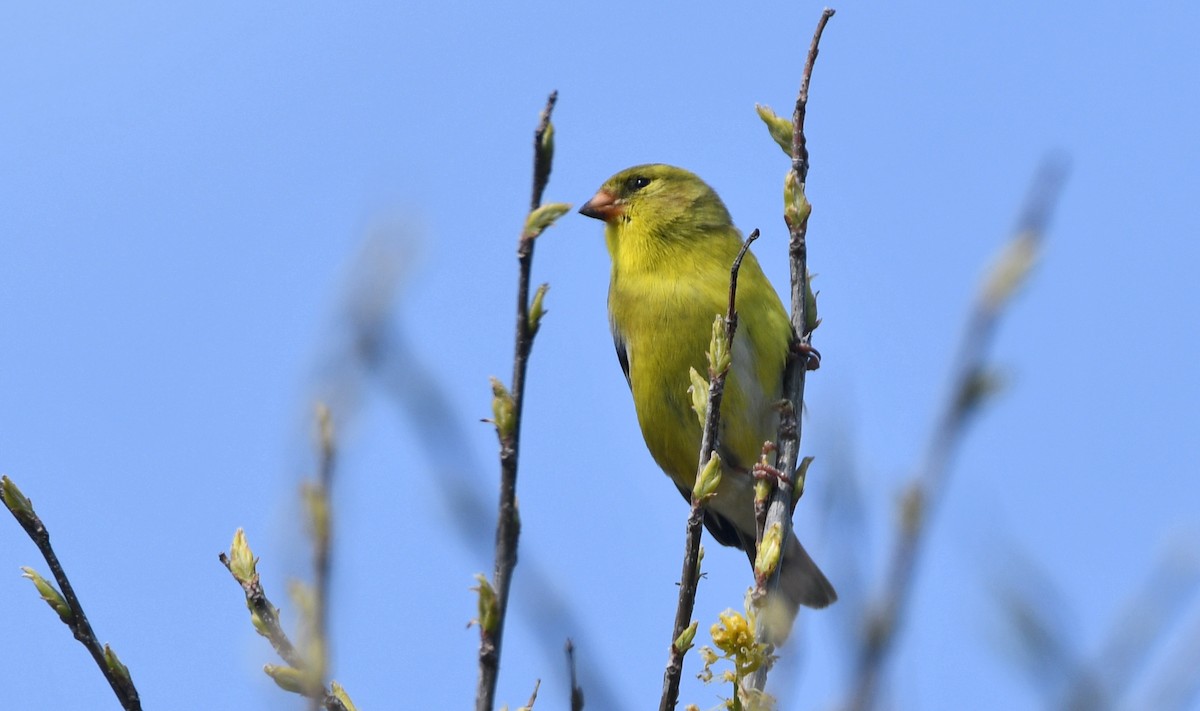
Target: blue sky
x=185, y=192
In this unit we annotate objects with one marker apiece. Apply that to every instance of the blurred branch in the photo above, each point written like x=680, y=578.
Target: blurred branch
x=319, y=499
x=708, y=475
x=576, y=692
x=1137, y=633
x=970, y=386
x=1177, y=684
x=507, y=406
x=796, y=212
x=66, y=603
x=375, y=347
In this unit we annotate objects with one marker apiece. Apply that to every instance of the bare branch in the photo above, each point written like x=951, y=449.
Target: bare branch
x=508, y=525
x=690, y=576
x=966, y=394
x=115, y=672
x=796, y=213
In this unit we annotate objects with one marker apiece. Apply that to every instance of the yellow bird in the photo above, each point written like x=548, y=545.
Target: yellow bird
x=672, y=244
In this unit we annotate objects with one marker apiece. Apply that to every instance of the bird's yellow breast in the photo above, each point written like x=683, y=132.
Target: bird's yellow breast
x=661, y=307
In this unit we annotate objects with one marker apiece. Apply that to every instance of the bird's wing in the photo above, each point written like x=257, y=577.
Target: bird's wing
x=622, y=356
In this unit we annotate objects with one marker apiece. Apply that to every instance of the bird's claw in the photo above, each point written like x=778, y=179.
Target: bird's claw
x=811, y=356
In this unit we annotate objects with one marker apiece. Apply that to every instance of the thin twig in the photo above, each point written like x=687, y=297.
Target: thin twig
x=576, y=691
x=272, y=629
x=689, y=578
x=779, y=509
x=968, y=386
x=376, y=347
x=122, y=684
x=321, y=511
x=508, y=525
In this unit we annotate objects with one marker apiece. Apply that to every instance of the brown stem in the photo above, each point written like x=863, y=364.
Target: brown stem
x=80, y=627
x=508, y=525
x=690, y=577
x=779, y=508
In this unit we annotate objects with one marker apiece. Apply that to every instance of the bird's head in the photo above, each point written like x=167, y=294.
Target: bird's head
x=657, y=199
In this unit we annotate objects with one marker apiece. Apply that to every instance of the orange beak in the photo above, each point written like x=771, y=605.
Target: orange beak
x=603, y=206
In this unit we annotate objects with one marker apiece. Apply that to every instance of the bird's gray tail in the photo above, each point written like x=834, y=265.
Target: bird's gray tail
x=801, y=582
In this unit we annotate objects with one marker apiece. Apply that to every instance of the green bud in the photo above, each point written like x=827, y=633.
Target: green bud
x=1009, y=270
x=324, y=428
x=543, y=217
x=114, y=664
x=684, y=641
x=709, y=479
x=795, y=205
x=699, y=392
x=810, y=306
x=340, y=694
x=769, y=551
x=304, y=599
x=547, y=146
x=762, y=489
x=719, y=357
x=780, y=128
x=318, y=510
x=801, y=474
x=489, y=615
x=287, y=678
x=536, y=310
x=259, y=625
x=50, y=594
x=241, y=560
x=16, y=502
x=503, y=410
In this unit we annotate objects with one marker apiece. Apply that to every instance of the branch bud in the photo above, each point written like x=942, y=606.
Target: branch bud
x=795, y=205
x=20, y=506
x=115, y=666
x=699, y=392
x=287, y=678
x=719, y=357
x=801, y=474
x=50, y=594
x=536, y=310
x=769, y=551
x=780, y=128
x=488, y=614
x=1009, y=270
x=684, y=641
x=543, y=217
x=503, y=410
x=241, y=560
x=709, y=479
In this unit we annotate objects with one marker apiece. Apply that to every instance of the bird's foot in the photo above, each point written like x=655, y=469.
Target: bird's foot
x=811, y=356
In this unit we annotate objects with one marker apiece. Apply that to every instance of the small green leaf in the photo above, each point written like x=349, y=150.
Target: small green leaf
x=50, y=594
x=536, y=309
x=488, y=612
x=709, y=479
x=114, y=664
x=17, y=503
x=503, y=410
x=699, y=392
x=780, y=128
x=287, y=678
x=543, y=217
x=241, y=560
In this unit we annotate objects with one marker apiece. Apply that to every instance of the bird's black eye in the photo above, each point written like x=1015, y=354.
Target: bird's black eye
x=636, y=183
